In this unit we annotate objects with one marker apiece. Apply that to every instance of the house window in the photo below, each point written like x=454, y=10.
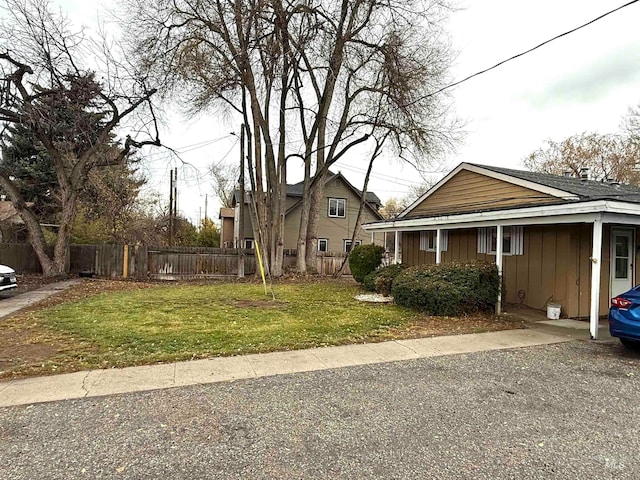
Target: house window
x=323, y=245
x=337, y=207
x=428, y=240
x=347, y=245
x=248, y=243
x=512, y=240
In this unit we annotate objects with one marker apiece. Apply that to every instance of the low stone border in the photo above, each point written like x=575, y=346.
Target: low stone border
x=373, y=298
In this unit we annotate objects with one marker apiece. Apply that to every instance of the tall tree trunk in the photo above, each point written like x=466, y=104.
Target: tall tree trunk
x=69, y=211
x=278, y=258
x=317, y=194
x=36, y=236
x=301, y=258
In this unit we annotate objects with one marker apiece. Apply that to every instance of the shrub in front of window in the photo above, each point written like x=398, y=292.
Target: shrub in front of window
x=381, y=280
x=364, y=259
x=448, y=289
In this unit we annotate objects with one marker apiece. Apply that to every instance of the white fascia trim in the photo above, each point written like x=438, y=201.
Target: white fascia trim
x=584, y=212
x=554, y=192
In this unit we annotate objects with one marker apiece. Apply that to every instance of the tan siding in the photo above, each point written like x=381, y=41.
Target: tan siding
x=336, y=230
x=410, y=248
x=292, y=229
x=605, y=271
x=291, y=201
x=555, y=265
x=562, y=265
x=585, y=269
x=227, y=232
x=468, y=192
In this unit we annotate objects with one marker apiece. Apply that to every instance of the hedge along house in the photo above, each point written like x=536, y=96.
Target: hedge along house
x=562, y=239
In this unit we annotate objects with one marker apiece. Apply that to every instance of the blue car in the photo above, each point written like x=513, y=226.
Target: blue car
x=624, y=317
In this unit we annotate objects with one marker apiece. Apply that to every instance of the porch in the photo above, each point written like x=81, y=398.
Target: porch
x=579, y=254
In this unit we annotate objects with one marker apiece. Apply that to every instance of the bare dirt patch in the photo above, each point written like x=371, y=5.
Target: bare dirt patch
x=22, y=350
x=427, y=326
x=26, y=342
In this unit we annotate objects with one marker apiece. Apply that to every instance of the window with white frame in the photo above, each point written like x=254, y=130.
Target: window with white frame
x=512, y=240
x=347, y=245
x=428, y=240
x=337, y=207
x=248, y=243
x=323, y=245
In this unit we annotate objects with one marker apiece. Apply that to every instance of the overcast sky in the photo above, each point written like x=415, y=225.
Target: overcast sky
x=583, y=82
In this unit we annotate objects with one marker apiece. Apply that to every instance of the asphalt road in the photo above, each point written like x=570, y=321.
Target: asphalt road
x=561, y=411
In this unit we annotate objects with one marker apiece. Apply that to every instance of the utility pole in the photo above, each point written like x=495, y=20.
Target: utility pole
x=171, y=207
x=241, y=213
x=206, y=197
x=173, y=204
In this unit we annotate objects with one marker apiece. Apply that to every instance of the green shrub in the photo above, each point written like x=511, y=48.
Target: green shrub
x=364, y=259
x=390, y=272
x=448, y=289
x=369, y=281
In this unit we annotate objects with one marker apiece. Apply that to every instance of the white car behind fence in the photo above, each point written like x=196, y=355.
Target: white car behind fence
x=7, y=278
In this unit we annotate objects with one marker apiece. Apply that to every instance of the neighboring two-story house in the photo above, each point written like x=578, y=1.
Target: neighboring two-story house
x=337, y=216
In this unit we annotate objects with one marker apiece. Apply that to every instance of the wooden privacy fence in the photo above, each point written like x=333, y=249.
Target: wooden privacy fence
x=126, y=261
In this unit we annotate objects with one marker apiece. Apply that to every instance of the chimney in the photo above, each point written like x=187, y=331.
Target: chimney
x=584, y=173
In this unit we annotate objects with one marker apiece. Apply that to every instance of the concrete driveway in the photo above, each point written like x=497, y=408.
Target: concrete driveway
x=567, y=410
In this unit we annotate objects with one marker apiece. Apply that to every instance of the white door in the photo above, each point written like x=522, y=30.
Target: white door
x=621, y=261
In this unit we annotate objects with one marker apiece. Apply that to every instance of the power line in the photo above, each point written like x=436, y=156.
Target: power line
x=378, y=176
x=531, y=49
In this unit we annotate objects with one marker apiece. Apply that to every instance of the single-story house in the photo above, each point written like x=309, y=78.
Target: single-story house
x=555, y=239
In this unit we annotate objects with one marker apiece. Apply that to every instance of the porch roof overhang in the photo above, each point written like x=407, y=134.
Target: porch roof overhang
x=606, y=211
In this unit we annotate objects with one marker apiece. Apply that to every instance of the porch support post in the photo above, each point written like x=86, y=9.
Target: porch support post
x=499, y=266
x=373, y=238
x=596, y=264
x=438, y=244
x=396, y=253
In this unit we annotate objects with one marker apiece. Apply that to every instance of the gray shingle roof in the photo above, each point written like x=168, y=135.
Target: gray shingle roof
x=296, y=190
x=585, y=189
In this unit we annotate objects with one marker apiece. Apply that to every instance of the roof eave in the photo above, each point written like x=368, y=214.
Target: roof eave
x=554, y=192
x=574, y=212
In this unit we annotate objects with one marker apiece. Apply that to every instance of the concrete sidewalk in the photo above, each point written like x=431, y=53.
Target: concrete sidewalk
x=133, y=379
x=11, y=305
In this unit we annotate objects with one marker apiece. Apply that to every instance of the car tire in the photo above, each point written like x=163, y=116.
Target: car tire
x=628, y=343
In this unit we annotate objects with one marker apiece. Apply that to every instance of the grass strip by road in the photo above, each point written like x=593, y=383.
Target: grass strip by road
x=167, y=323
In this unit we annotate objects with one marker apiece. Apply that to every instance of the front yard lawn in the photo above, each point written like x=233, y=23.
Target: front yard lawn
x=103, y=324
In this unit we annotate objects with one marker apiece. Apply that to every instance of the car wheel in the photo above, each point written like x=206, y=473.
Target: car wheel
x=627, y=342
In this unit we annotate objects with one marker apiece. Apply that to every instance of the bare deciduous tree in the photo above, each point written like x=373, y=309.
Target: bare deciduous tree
x=225, y=182
x=392, y=208
x=72, y=111
x=612, y=156
x=310, y=80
